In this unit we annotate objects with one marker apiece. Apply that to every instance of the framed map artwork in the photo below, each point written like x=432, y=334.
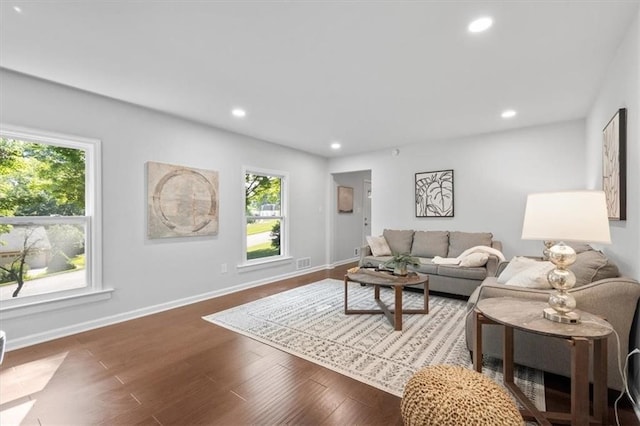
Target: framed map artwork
x=181, y=201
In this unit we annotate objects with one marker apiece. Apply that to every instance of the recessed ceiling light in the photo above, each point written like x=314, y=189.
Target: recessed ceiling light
x=508, y=113
x=335, y=145
x=238, y=112
x=481, y=24
x=17, y=9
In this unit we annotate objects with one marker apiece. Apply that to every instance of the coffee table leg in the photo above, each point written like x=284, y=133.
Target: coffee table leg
x=346, y=281
x=398, y=313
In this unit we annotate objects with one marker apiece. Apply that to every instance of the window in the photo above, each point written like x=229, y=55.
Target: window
x=265, y=216
x=49, y=227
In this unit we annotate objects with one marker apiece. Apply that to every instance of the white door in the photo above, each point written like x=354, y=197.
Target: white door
x=366, y=208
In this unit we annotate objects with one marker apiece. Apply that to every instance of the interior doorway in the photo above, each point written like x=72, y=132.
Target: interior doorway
x=366, y=210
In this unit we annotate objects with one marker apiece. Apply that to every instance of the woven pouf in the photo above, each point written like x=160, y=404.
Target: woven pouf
x=443, y=395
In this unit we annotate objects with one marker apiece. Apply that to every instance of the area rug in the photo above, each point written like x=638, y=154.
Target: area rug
x=309, y=322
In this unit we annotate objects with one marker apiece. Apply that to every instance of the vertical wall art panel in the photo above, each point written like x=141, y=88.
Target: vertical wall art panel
x=345, y=199
x=614, y=165
x=181, y=201
x=434, y=194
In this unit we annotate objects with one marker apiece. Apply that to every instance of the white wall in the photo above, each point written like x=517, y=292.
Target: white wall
x=148, y=273
x=348, y=227
x=493, y=174
x=621, y=89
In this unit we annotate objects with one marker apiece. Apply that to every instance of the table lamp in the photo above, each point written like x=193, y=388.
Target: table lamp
x=579, y=216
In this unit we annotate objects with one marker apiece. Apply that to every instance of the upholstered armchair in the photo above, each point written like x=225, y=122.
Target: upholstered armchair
x=614, y=299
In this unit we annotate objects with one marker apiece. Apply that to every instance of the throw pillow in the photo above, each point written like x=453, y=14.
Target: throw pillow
x=461, y=241
x=399, y=241
x=535, y=276
x=517, y=264
x=379, y=246
x=430, y=244
x=474, y=260
x=593, y=265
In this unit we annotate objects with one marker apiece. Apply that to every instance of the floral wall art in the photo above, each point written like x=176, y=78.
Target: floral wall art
x=614, y=165
x=434, y=194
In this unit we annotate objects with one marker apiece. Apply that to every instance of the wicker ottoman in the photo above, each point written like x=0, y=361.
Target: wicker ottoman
x=451, y=395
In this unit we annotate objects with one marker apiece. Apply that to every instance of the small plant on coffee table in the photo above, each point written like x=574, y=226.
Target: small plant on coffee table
x=399, y=262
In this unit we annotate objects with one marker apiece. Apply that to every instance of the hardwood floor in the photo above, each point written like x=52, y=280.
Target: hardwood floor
x=173, y=368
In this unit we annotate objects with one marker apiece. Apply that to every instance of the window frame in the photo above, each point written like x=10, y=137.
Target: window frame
x=92, y=219
x=284, y=256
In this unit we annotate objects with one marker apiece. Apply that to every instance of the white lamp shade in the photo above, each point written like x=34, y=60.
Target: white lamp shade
x=567, y=216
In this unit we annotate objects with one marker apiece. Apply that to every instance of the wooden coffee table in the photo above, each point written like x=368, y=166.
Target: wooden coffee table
x=379, y=278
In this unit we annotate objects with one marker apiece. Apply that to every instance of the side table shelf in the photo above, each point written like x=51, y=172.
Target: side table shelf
x=526, y=315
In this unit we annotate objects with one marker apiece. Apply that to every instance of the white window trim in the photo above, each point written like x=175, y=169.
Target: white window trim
x=93, y=212
x=284, y=257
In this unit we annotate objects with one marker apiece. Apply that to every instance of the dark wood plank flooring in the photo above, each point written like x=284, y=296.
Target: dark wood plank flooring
x=173, y=368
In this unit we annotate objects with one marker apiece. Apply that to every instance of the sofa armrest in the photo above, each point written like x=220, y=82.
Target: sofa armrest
x=493, y=262
x=364, y=252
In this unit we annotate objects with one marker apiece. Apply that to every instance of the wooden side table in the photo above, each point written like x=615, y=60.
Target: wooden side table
x=526, y=315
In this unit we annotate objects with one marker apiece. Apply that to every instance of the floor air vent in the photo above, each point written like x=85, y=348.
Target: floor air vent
x=303, y=263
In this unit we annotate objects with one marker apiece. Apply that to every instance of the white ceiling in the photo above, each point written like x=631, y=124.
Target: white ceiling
x=371, y=75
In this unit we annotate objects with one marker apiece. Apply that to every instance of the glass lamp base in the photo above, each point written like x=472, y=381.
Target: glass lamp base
x=568, y=318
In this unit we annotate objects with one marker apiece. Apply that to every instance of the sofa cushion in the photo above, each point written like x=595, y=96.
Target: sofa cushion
x=430, y=244
x=534, y=276
x=593, y=265
x=379, y=246
x=426, y=267
x=474, y=260
x=461, y=241
x=399, y=241
x=467, y=273
x=517, y=264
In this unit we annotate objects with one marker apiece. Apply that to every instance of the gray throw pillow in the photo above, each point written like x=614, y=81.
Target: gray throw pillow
x=460, y=241
x=593, y=265
x=430, y=244
x=399, y=241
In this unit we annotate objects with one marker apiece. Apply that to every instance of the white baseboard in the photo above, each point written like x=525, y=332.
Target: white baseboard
x=344, y=262
x=13, y=344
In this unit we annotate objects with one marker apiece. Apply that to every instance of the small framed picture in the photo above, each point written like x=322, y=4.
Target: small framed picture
x=345, y=199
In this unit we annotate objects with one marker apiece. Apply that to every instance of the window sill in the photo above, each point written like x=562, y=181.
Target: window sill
x=252, y=266
x=8, y=312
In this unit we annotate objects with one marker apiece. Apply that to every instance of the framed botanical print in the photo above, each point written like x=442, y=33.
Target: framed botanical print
x=434, y=194
x=614, y=165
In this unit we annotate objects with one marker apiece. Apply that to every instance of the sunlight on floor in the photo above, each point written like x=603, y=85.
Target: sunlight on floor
x=22, y=382
x=16, y=414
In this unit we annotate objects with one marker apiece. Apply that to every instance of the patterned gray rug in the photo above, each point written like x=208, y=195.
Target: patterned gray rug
x=309, y=322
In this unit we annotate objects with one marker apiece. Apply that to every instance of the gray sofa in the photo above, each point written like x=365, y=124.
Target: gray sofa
x=599, y=290
x=426, y=245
